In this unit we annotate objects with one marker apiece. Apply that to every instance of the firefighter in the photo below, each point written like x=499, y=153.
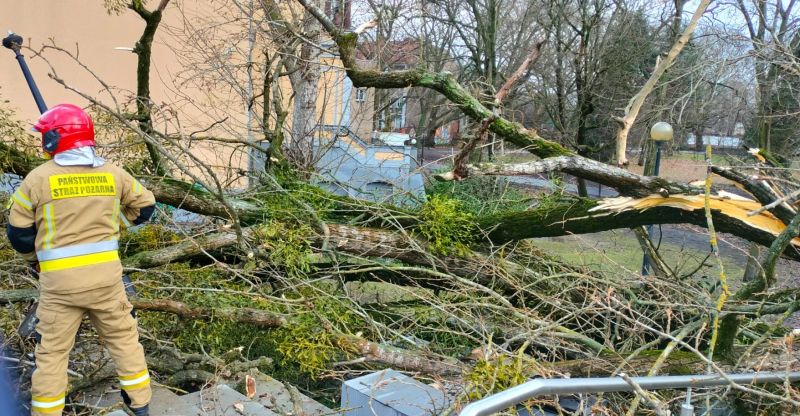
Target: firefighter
x=64, y=219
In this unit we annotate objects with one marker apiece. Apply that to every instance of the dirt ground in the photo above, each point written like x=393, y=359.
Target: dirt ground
x=685, y=169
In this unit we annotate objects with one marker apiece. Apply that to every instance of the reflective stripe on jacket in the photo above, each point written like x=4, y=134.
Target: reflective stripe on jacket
x=68, y=218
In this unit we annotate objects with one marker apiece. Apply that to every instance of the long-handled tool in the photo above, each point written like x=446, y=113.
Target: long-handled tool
x=14, y=42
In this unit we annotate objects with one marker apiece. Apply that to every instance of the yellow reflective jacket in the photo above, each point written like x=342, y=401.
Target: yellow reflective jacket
x=68, y=219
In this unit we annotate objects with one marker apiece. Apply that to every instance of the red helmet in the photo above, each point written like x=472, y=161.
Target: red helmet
x=65, y=127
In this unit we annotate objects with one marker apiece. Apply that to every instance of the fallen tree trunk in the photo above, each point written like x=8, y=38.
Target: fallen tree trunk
x=569, y=218
x=369, y=351
x=586, y=216
x=399, y=358
x=576, y=217
x=244, y=315
x=625, y=182
x=364, y=242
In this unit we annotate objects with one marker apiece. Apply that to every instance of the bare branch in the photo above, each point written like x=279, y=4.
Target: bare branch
x=635, y=103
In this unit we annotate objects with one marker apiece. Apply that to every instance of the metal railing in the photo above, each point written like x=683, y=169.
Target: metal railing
x=342, y=131
x=539, y=387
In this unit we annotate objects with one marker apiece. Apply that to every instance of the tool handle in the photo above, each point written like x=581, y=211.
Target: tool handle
x=37, y=96
x=13, y=42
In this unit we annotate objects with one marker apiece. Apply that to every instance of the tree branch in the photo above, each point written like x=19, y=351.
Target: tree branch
x=635, y=104
x=444, y=83
x=764, y=280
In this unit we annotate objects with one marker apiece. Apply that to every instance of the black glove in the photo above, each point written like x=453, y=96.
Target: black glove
x=33, y=270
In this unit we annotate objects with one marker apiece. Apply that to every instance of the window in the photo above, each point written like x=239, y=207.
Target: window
x=361, y=95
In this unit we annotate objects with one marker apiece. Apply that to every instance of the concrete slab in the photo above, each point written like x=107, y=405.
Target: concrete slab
x=216, y=401
x=108, y=394
x=165, y=402
x=271, y=399
x=273, y=395
x=100, y=397
x=117, y=413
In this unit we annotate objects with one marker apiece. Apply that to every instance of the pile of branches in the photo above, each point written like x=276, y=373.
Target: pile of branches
x=344, y=285
x=335, y=286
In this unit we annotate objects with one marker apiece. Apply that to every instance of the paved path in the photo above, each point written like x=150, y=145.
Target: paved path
x=272, y=398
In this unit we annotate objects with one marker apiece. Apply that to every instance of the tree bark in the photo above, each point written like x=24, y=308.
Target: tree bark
x=143, y=50
x=243, y=315
x=304, y=119
x=624, y=181
x=400, y=358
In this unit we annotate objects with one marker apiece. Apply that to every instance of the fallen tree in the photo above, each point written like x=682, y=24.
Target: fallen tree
x=286, y=260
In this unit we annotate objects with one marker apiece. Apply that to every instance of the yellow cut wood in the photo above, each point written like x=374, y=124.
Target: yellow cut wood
x=733, y=208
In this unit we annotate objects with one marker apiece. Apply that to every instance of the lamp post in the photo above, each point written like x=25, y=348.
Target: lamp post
x=660, y=132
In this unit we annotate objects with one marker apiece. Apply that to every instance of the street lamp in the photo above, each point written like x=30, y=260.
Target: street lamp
x=660, y=132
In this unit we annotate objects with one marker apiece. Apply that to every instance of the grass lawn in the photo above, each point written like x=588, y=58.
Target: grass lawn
x=618, y=251
x=718, y=158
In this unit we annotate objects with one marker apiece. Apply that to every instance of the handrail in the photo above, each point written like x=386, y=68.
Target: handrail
x=338, y=130
x=539, y=387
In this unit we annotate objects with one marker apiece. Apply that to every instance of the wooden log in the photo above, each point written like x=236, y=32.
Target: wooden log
x=244, y=315
x=399, y=358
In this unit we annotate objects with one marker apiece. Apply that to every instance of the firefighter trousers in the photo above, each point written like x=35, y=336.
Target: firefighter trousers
x=60, y=316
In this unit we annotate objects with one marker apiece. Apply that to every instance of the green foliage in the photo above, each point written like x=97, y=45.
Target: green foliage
x=307, y=343
x=288, y=245
x=494, y=376
x=429, y=325
x=447, y=226
x=147, y=238
x=195, y=280
x=214, y=336
x=115, y=6
x=296, y=201
x=303, y=345
x=484, y=195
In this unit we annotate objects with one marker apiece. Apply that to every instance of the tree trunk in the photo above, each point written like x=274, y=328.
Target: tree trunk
x=649, y=156
x=753, y=267
x=698, y=140
x=304, y=119
x=143, y=50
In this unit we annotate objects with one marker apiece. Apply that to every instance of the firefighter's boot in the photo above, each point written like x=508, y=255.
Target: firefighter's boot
x=137, y=411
